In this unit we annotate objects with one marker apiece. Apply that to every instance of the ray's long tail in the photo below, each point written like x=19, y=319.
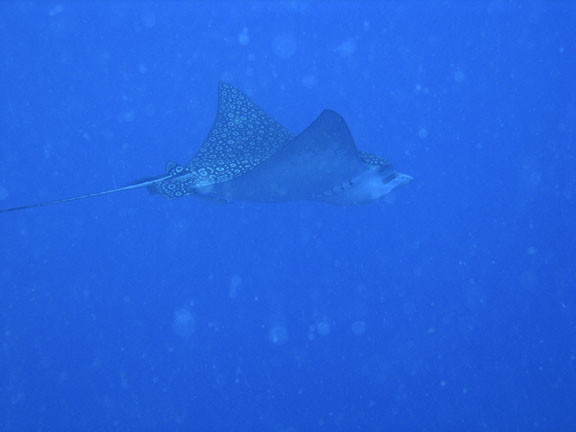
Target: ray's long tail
x=137, y=185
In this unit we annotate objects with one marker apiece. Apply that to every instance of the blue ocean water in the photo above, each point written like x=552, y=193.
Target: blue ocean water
x=449, y=306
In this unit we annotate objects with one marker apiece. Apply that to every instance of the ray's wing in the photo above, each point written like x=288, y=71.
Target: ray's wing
x=320, y=158
x=242, y=137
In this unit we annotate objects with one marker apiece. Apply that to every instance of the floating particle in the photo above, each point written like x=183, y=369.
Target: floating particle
x=149, y=20
x=183, y=323
x=459, y=76
x=309, y=81
x=347, y=48
x=358, y=328
x=323, y=328
x=278, y=335
x=235, y=282
x=284, y=46
x=56, y=10
x=243, y=37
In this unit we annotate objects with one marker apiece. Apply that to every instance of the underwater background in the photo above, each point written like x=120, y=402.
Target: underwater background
x=449, y=305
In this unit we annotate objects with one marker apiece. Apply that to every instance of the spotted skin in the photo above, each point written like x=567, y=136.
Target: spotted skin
x=373, y=160
x=242, y=137
x=180, y=184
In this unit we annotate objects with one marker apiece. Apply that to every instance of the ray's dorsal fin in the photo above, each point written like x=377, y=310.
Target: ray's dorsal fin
x=242, y=137
x=170, y=165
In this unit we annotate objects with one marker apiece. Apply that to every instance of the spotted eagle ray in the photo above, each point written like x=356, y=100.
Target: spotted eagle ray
x=248, y=156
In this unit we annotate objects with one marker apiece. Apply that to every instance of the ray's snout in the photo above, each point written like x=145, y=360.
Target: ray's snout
x=371, y=185
x=380, y=182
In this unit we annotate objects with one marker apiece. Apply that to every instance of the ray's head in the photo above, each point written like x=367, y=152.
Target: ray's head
x=371, y=185
x=378, y=182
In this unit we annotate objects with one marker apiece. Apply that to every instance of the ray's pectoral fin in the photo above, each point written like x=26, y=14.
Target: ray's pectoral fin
x=321, y=164
x=242, y=136
x=322, y=156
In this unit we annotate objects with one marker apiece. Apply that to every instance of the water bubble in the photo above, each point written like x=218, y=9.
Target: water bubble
x=323, y=328
x=243, y=38
x=284, y=46
x=278, y=335
x=3, y=193
x=459, y=76
x=149, y=110
x=347, y=48
x=235, y=282
x=358, y=328
x=183, y=323
x=149, y=20
x=309, y=81
x=56, y=10
x=127, y=116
